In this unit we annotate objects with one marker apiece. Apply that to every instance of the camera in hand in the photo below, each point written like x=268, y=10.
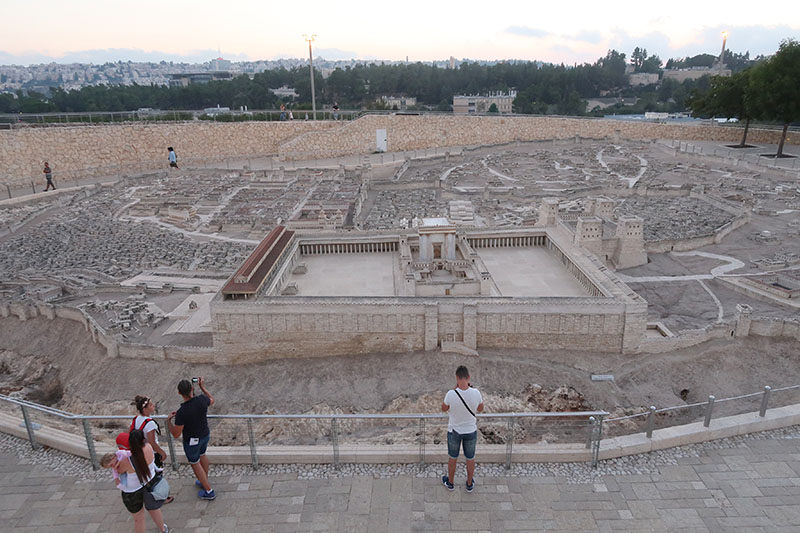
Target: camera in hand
x=195, y=380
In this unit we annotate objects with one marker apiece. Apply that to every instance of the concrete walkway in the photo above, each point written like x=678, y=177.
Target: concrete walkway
x=752, y=483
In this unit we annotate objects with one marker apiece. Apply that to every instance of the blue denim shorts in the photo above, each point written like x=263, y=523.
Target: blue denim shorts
x=455, y=441
x=193, y=453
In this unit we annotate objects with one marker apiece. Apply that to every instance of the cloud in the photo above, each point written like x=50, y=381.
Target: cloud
x=526, y=31
x=589, y=36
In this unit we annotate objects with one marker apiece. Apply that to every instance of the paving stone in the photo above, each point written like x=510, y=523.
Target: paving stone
x=717, y=491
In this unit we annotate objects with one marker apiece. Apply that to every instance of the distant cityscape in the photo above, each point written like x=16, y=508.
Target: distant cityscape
x=72, y=76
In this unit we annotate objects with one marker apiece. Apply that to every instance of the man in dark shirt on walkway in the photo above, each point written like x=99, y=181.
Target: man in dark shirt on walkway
x=48, y=174
x=191, y=420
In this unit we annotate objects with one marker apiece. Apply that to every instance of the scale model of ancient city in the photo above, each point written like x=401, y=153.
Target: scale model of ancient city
x=571, y=264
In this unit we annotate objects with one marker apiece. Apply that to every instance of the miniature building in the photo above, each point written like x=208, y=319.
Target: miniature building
x=310, y=295
x=619, y=243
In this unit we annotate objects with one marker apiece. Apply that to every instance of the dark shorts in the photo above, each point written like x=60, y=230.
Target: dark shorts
x=134, y=500
x=173, y=164
x=455, y=441
x=194, y=453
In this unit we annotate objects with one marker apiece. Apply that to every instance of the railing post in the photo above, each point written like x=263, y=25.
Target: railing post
x=590, y=435
x=335, y=442
x=709, y=410
x=29, y=427
x=651, y=421
x=764, y=402
x=421, y=440
x=87, y=431
x=597, y=436
x=253, y=454
x=171, y=445
x=510, y=442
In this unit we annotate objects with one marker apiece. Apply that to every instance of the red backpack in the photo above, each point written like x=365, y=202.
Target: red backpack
x=123, y=438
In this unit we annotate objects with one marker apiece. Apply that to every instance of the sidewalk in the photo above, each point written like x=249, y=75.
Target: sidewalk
x=749, y=482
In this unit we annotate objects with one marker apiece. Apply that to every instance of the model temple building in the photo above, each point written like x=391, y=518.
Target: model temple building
x=434, y=286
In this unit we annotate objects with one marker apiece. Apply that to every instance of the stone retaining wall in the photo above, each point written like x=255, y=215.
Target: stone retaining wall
x=115, y=149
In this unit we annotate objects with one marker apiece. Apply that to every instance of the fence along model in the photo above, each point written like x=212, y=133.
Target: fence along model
x=590, y=422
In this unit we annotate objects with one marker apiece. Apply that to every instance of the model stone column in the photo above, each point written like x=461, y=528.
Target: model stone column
x=450, y=247
x=425, y=249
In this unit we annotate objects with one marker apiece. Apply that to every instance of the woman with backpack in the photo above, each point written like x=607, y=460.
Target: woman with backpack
x=141, y=472
x=146, y=407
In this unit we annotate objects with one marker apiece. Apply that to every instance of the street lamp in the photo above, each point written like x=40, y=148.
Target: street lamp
x=722, y=54
x=310, y=39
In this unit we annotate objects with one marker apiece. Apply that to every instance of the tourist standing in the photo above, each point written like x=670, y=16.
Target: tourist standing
x=143, y=421
x=335, y=111
x=462, y=403
x=48, y=174
x=139, y=469
x=173, y=158
x=191, y=420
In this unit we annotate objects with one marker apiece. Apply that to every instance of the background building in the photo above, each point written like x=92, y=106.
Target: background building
x=465, y=105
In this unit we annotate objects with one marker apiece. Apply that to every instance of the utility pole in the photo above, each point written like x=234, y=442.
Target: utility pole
x=311, y=70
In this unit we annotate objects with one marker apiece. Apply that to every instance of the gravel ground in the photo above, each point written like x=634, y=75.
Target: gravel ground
x=648, y=463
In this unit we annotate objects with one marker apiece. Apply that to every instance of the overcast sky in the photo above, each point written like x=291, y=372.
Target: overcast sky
x=571, y=31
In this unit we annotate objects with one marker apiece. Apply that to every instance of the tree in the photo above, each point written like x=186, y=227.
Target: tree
x=651, y=64
x=776, y=87
x=493, y=108
x=728, y=97
x=639, y=57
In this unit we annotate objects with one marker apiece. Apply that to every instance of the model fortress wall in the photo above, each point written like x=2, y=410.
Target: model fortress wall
x=434, y=286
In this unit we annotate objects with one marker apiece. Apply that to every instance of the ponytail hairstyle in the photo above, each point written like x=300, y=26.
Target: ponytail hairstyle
x=140, y=466
x=140, y=402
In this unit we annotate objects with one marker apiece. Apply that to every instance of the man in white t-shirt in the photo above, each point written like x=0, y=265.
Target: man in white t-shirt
x=462, y=403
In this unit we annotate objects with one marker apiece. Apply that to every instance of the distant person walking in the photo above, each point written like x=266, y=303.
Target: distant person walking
x=283, y=112
x=191, y=420
x=173, y=158
x=48, y=174
x=462, y=403
x=335, y=111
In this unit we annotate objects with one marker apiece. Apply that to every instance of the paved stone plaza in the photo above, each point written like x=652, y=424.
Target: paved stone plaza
x=750, y=483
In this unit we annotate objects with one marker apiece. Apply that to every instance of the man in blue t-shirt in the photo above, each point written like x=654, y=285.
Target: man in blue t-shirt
x=191, y=421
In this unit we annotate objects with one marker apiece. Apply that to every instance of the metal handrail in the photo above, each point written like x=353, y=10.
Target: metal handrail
x=709, y=407
x=594, y=418
x=323, y=416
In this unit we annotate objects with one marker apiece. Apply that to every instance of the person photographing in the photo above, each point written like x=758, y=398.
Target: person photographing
x=191, y=421
x=462, y=403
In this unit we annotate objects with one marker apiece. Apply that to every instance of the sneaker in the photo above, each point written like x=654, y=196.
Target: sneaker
x=166, y=528
x=470, y=486
x=447, y=483
x=206, y=495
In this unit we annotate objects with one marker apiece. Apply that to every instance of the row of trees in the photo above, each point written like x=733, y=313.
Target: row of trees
x=543, y=88
x=768, y=91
